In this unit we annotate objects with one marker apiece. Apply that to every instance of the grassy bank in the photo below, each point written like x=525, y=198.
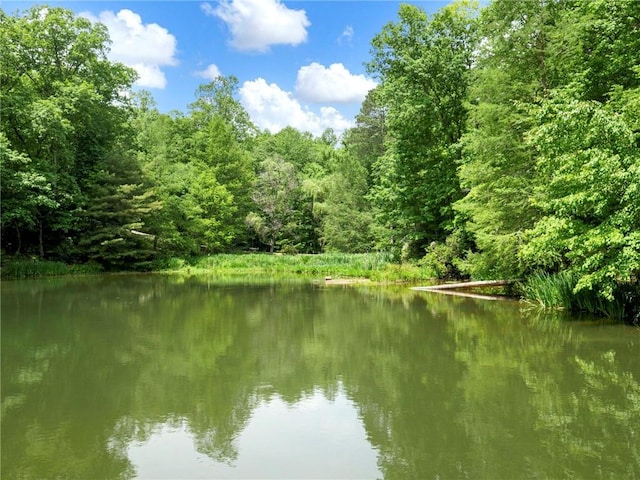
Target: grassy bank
x=33, y=267
x=374, y=266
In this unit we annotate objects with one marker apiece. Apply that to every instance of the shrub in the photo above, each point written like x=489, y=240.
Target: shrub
x=444, y=260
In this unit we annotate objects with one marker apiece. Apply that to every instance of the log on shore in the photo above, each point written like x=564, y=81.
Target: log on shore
x=466, y=285
x=459, y=293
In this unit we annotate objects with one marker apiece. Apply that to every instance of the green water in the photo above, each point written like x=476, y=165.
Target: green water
x=141, y=376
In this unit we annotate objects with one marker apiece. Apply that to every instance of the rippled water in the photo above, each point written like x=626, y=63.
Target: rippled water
x=150, y=376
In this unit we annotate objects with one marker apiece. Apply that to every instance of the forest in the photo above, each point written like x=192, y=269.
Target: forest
x=500, y=142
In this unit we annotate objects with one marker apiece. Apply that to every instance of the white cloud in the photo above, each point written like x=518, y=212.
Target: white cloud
x=255, y=25
x=273, y=109
x=144, y=47
x=210, y=73
x=208, y=9
x=346, y=36
x=316, y=83
x=149, y=76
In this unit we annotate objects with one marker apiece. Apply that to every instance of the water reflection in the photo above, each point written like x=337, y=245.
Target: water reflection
x=313, y=438
x=165, y=377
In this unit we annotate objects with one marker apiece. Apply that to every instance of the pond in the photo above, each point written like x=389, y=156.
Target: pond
x=153, y=376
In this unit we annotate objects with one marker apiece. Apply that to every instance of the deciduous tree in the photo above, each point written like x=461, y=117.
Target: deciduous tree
x=423, y=63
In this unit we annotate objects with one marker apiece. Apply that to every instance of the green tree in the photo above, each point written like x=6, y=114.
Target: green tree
x=514, y=68
x=310, y=158
x=424, y=65
x=202, y=173
x=606, y=34
x=347, y=220
x=25, y=193
x=162, y=154
x=116, y=230
x=218, y=138
x=366, y=140
x=274, y=196
x=589, y=166
x=217, y=98
x=63, y=108
x=233, y=168
x=295, y=147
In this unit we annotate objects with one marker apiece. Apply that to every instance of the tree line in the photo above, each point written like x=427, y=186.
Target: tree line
x=501, y=142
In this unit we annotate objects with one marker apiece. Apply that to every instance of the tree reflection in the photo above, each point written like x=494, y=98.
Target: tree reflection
x=529, y=393
x=599, y=421
x=445, y=387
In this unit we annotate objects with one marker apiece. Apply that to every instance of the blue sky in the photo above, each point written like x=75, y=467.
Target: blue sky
x=299, y=63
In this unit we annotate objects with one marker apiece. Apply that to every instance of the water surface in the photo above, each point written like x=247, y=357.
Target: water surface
x=150, y=376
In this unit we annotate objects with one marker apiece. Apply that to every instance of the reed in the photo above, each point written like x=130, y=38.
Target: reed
x=30, y=268
x=550, y=290
x=557, y=290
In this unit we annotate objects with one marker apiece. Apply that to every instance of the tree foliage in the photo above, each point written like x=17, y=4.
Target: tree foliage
x=423, y=64
x=63, y=112
x=589, y=165
x=551, y=151
x=274, y=197
x=513, y=70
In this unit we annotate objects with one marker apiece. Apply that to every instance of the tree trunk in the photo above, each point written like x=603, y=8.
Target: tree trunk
x=40, y=239
x=19, y=240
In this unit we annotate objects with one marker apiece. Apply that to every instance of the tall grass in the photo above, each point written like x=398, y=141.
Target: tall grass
x=375, y=266
x=550, y=290
x=557, y=290
x=27, y=268
x=325, y=264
